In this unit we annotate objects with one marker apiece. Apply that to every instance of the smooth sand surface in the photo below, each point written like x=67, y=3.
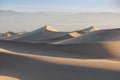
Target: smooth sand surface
x=2, y=77
x=46, y=34
x=91, y=63
x=96, y=36
x=107, y=50
x=44, y=68
x=70, y=61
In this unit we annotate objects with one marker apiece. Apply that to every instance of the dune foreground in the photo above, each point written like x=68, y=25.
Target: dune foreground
x=60, y=56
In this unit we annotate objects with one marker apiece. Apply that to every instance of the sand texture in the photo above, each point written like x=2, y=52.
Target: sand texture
x=49, y=54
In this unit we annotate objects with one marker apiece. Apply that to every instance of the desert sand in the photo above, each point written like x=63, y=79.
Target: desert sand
x=22, y=58
x=7, y=78
x=105, y=35
x=46, y=34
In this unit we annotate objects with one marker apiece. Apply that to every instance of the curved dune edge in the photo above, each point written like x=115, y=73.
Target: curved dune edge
x=102, y=50
x=90, y=63
x=89, y=29
x=93, y=28
x=46, y=34
x=105, y=35
x=49, y=28
x=2, y=77
x=74, y=34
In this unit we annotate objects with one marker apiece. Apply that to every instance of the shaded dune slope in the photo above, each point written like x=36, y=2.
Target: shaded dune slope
x=89, y=57
x=91, y=50
x=46, y=34
x=96, y=36
x=26, y=68
x=94, y=55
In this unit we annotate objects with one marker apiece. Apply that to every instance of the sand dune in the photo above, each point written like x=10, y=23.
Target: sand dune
x=107, y=50
x=77, y=33
x=29, y=66
x=96, y=36
x=67, y=61
x=87, y=30
x=46, y=34
x=91, y=56
x=26, y=68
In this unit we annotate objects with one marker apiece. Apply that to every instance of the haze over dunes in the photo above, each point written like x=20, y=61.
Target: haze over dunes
x=50, y=54
x=65, y=21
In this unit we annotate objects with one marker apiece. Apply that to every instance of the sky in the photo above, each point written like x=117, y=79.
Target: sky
x=30, y=22
x=60, y=5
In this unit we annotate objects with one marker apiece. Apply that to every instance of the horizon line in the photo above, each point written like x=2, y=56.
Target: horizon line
x=25, y=11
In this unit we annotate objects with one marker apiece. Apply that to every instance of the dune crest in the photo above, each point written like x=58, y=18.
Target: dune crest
x=51, y=28
x=46, y=34
x=74, y=34
x=93, y=28
x=106, y=35
x=75, y=62
x=2, y=77
x=87, y=30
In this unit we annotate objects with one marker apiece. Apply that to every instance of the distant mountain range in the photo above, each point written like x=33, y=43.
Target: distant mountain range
x=12, y=11
x=20, y=21
x=8, y=12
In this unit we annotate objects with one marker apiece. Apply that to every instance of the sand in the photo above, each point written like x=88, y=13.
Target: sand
x=87, y=30
x=74, y=34
x=106, y=35
x=20, y=60
x=7, y=78
x=46, y=34
x=49, y=28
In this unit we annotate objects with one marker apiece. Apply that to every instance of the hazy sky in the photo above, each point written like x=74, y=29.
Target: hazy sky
x=63, y=21
x=59, y=5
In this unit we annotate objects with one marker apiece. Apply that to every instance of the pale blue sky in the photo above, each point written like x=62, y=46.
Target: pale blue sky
x=58, y=5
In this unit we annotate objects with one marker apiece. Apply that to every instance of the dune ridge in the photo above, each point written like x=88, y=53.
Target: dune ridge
x=51, y=28
x=48, y=54
x=105, y=50
x=87, y=30
x=106, y=35
x=46, y=34
x=75, y=62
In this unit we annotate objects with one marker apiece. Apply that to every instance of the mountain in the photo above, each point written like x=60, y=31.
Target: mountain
x=20, y=21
